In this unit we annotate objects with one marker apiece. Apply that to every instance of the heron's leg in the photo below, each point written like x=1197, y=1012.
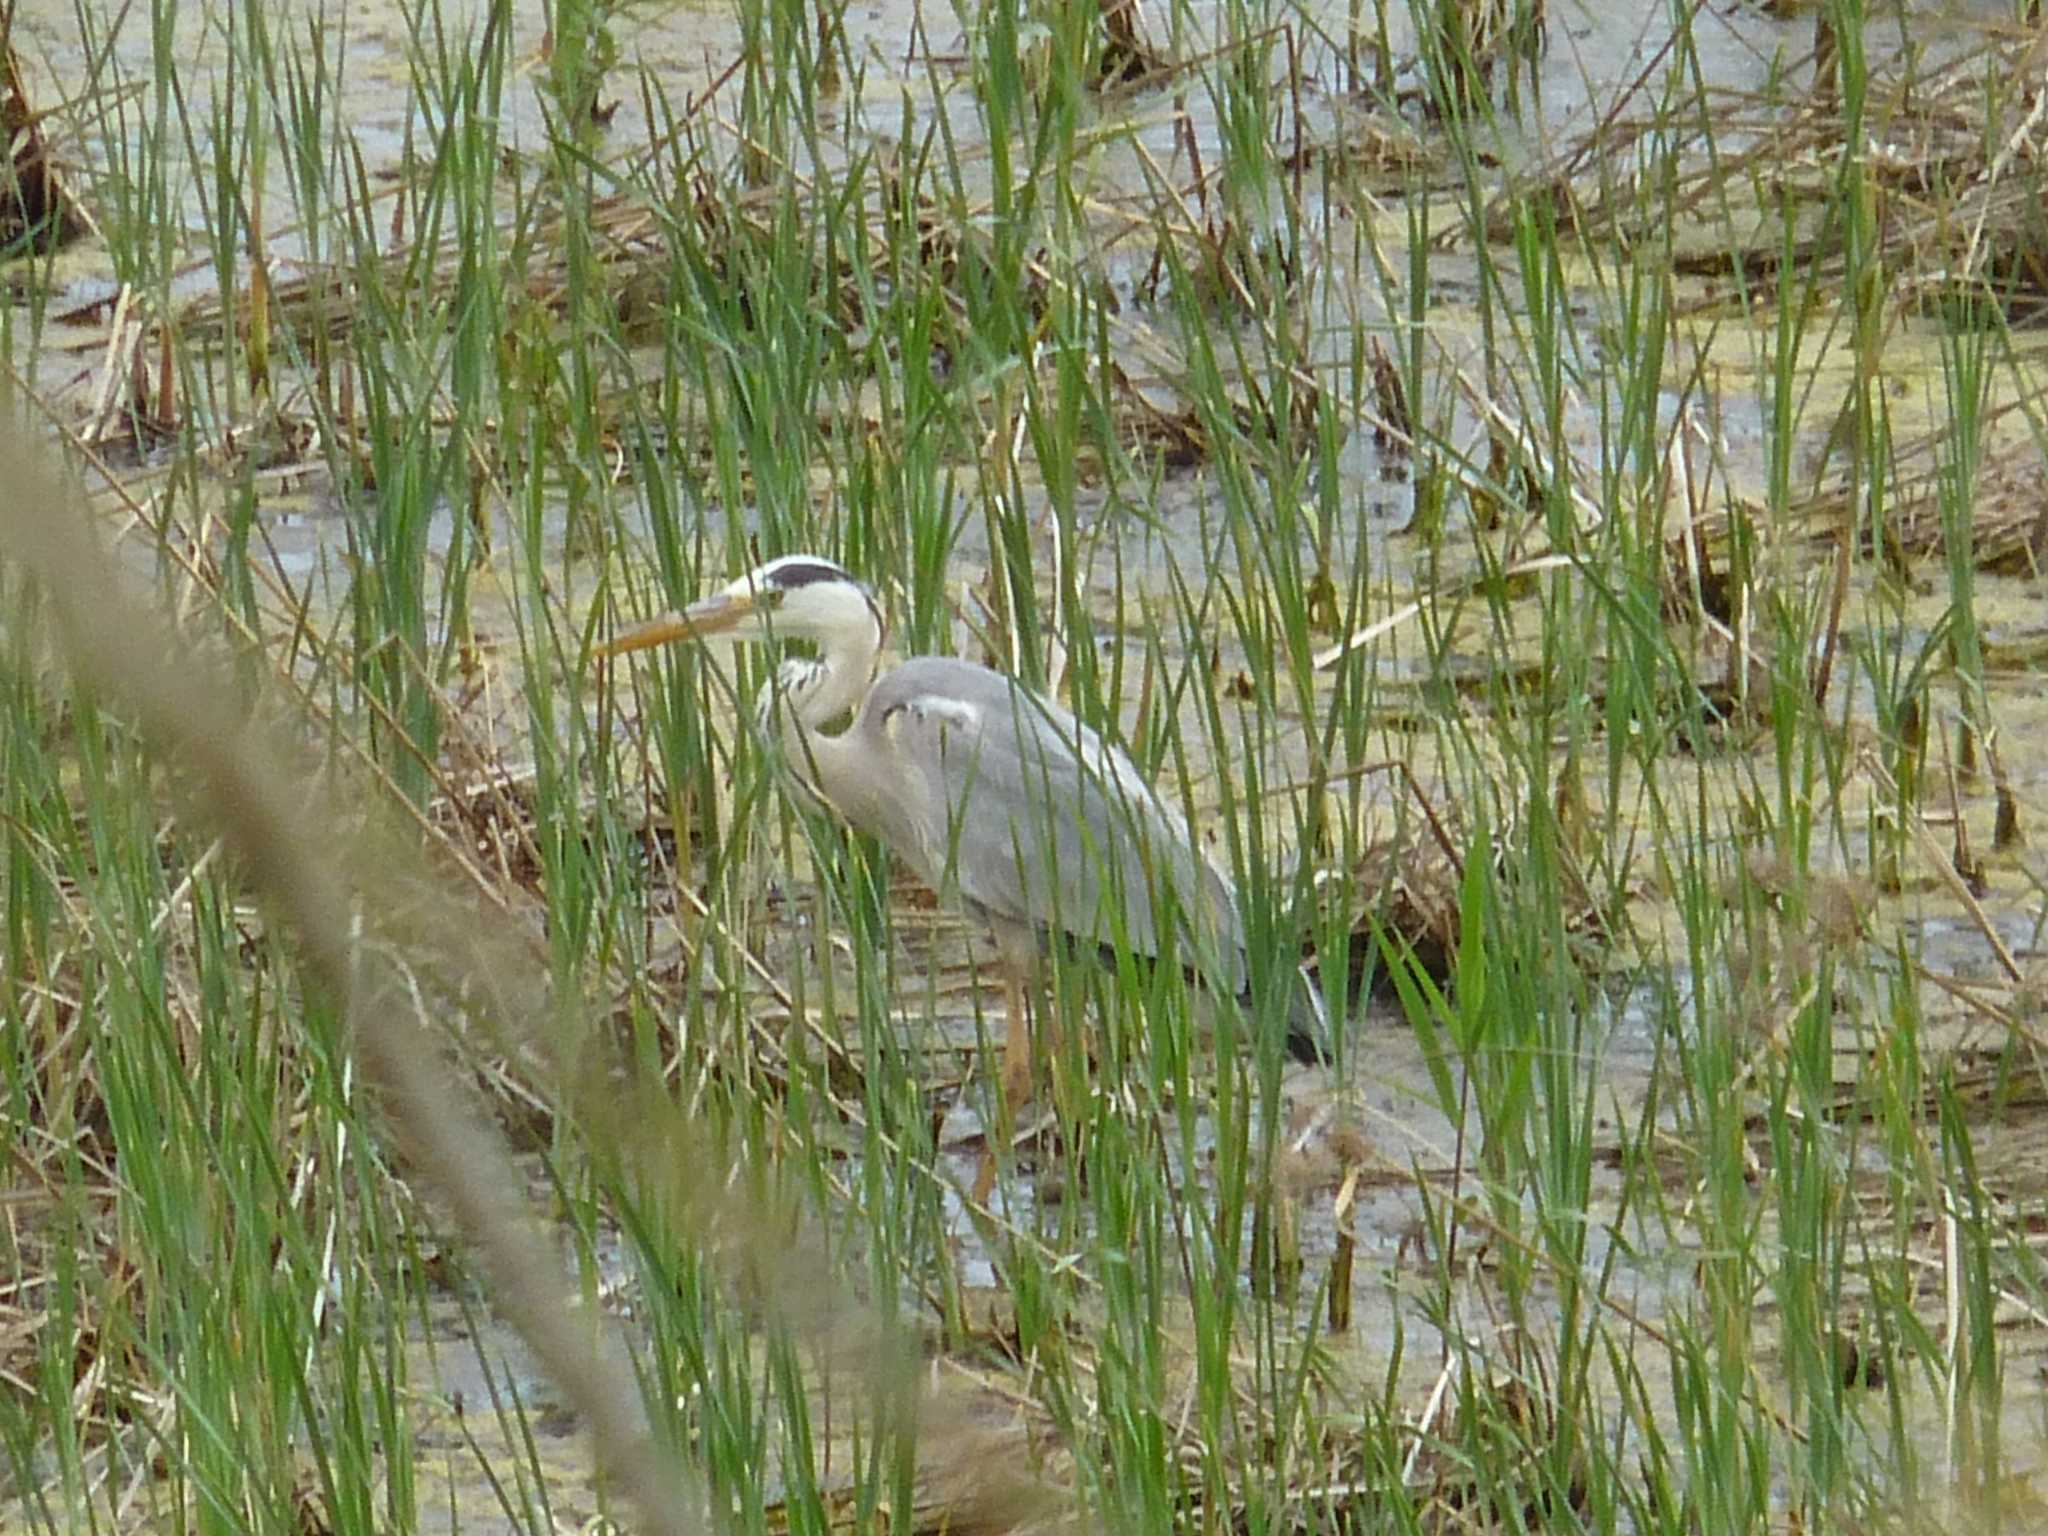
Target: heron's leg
x=1017, y=952
x=1014, y=1088
x=1019, y=1070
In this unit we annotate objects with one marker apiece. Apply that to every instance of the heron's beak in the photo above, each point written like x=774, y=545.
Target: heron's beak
x=715, y=615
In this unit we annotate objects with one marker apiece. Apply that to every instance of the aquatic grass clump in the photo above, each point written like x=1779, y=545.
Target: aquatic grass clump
x=1665, y=1201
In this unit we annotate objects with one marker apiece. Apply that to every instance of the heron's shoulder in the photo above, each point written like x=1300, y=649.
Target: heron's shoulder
x=944, y=689
x=942, y=695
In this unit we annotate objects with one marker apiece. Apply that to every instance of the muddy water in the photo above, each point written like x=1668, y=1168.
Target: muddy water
x=1598, y=55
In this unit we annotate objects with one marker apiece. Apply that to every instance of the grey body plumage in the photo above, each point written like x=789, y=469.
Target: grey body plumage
x=995, y=796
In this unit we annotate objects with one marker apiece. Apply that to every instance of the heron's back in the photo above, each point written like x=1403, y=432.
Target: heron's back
x=1007, y=801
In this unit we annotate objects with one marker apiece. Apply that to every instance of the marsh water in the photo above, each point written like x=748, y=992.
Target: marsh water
x=1377, y=1124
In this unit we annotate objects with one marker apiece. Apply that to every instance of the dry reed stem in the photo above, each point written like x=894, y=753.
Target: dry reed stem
x=297, y=848
x=380, y=931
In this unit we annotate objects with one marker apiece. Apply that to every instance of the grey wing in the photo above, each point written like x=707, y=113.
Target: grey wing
x=1027, y=814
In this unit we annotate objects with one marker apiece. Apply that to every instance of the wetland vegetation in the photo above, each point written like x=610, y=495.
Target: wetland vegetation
x=1555, y=492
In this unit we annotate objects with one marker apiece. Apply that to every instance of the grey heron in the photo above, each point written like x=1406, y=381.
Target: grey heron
x=995, y=796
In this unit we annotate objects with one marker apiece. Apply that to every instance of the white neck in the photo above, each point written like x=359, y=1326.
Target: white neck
x=808, y=693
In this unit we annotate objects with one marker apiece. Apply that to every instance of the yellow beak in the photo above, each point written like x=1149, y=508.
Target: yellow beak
x=713, y=616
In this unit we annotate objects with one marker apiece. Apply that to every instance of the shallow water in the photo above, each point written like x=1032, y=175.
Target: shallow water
x=1383, y=1121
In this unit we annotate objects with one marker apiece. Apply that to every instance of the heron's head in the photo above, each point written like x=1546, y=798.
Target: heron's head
x=798, y=597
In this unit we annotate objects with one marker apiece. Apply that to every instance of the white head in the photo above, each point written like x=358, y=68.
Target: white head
x=798, y=597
